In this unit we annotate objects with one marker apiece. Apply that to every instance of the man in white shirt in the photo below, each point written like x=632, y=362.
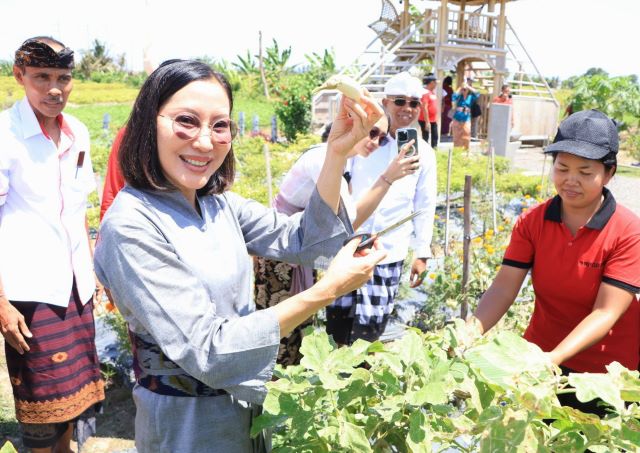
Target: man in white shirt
x=364, y=312
x=46, y=272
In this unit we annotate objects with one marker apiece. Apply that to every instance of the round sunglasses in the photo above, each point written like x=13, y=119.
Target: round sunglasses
x=187, y=126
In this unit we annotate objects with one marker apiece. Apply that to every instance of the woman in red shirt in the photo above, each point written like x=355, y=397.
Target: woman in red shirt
x=583, y=251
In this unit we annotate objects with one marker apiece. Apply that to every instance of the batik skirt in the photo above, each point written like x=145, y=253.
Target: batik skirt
x=59, y=378
x=272, y=285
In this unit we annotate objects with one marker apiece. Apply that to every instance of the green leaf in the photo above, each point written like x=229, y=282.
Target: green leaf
x=508, y=359
x=505, y=433
x=353, y=438
x=8, y=448
x=628, y=381
x=432, y=393
x=260, y=423
x=418, y=439
x=411, y=348
x=315, y=350
x=590, y=386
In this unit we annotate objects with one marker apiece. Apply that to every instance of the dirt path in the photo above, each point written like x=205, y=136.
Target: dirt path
x=115, y=425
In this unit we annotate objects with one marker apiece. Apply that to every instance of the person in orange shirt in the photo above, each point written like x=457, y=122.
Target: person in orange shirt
x=505, y=98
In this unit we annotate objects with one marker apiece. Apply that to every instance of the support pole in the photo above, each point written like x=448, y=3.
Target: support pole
x=466, y=247
x=493, y=187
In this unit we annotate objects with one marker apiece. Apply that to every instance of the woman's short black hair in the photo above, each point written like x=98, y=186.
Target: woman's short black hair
x=138, y=154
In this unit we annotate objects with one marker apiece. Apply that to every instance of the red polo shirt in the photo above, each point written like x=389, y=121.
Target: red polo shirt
x=430, y=102
x=567, y=272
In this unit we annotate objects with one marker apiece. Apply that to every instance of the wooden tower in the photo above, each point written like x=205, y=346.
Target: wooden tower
x=460, y=38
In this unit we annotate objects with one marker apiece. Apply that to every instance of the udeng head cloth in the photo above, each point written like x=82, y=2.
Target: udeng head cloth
x=39, y=54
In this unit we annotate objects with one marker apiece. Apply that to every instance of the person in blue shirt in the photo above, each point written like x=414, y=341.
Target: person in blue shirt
x=463, y=99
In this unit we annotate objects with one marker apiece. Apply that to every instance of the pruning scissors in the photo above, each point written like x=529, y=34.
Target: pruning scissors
x=369, y=238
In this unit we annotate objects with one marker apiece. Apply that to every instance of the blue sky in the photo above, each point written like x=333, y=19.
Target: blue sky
x=565, y=37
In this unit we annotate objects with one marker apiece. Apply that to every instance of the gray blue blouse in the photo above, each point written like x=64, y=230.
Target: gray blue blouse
x=183, y=283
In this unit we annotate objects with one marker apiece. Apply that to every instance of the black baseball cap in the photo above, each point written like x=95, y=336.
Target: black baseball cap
x=589, y=133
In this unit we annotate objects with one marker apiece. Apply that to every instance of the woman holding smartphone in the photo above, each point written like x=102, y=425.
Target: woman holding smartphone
x=276, y=281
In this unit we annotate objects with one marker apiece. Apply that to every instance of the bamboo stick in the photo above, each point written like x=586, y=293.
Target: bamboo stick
x=447, y=204
x=466, y=247
x=493, y=187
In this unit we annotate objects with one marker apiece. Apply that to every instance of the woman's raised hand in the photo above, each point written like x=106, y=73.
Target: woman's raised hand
x=353, y=122
x=402, y=165
x=349, y=269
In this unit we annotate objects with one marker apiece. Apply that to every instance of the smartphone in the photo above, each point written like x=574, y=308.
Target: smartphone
x=404, y=136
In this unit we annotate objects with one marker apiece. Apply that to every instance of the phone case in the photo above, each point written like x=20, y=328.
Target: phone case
x=404, y=136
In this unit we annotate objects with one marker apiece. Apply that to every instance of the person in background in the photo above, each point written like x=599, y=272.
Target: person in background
x=173, y=253
x=276, y=281
x=583, y=252
x=363, y=313
x=447, y=100
x=430, y=110
x=476, y=112
x=47, y=282
x=504, y=98
x=463, y=99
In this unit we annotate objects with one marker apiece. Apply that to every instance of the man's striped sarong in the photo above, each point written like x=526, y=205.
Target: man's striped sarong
x=59, y=378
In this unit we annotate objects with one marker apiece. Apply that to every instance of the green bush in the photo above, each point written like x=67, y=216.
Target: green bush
x=477, y=166
x=251, y=181
x=294, y=108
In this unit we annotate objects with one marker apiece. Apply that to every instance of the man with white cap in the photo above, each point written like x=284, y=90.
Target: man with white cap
x=364, y=313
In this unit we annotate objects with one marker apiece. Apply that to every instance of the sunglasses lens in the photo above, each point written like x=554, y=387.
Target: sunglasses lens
x=400, y=102
x=373, y=133
x=383, y=139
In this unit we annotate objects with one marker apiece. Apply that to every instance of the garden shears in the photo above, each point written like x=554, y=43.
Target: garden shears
x=369, y=238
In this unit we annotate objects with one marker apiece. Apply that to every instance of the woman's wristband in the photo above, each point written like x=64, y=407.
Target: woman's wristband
x=385, y=179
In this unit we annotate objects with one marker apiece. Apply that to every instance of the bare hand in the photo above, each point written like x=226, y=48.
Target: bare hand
x=350, y=270
x=402, y=166
x=418, y=270
x=353, y=122
x=13, y=327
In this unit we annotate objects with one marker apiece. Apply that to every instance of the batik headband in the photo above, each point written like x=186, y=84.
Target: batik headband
x=38, y=54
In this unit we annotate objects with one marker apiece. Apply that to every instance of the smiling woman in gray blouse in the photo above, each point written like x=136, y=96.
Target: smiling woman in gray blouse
x=173, y=252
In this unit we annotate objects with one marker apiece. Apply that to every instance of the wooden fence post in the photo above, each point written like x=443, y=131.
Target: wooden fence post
x=466, y=247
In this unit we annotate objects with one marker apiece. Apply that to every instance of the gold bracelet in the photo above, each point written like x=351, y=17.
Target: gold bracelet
x=384, y=178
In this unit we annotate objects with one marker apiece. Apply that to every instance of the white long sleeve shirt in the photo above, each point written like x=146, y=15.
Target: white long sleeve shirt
x=43, y=200
x=300, y=181
x=406, y=195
